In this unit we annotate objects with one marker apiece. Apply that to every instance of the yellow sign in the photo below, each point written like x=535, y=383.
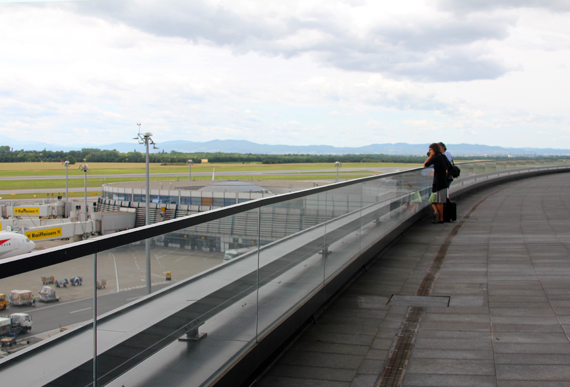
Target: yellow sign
x=45, y=234
x=204, y=161
x=26, y=211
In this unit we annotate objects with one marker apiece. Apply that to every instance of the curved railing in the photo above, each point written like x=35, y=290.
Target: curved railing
x=292, y=247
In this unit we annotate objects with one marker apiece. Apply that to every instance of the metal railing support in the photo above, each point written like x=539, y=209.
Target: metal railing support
x=95, y=320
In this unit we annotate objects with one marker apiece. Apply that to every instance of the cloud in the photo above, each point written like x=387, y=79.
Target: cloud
x=427, y=46
x=491, y=5
x=290, y=72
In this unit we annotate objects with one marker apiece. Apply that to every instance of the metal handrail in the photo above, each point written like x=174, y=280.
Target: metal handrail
x=39, y=259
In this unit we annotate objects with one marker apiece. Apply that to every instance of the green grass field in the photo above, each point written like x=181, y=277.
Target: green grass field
x=56, y=169
x=98, y=182
x=292, y=172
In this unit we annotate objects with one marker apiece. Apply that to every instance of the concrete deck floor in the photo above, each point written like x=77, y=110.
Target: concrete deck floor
x=498, y=313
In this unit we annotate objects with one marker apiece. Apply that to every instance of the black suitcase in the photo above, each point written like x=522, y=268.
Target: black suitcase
x=449, y=211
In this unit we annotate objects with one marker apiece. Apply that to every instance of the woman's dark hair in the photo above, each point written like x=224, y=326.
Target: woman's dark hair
x=436, y=148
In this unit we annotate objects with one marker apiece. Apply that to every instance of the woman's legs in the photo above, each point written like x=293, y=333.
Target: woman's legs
x=437, y=212
x=439, y=208
x=434, y=205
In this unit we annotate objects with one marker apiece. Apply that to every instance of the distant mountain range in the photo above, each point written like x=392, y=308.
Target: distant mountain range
x=242, y=146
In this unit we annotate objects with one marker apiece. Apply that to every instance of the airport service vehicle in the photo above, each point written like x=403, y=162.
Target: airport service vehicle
x=3, y=301
x=234, y=253
x=16, y=323
x=62, y=284
x=8, y=340
x=12, y=244
x=21, y=322
x=47, y=294
x=21, y=298
x=5, y=326
x=76, y=281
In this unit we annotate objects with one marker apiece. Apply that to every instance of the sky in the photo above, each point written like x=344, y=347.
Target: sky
x=326, y=72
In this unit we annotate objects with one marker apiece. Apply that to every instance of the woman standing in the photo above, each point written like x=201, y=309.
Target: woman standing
x=439, y=187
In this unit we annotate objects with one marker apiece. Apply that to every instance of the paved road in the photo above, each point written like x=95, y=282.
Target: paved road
x=51, y=316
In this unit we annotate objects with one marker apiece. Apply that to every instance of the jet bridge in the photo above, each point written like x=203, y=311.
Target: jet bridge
x=100, y=223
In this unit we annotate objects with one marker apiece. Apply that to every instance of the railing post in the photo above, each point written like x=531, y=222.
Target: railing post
x=95, y=320
x=257, y=277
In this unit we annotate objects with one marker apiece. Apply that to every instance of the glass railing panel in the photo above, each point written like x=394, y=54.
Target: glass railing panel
x=291, y=260
x=480, y=168
x=343, y=229
x=490, y=167
x=381, y=214
x=203, y=301
x=45, y=305
x=501, y=165
x=467, y=170
x=471, y=173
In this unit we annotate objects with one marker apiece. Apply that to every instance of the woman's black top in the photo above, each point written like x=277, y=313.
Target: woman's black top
x=440, y=164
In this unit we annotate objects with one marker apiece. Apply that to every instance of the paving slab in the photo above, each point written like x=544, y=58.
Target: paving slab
x=527, y=383
x=524, y=358
x=308, y=345
x=453, y=354
x=547, y=372
x=318, y=373
x=276, y=381
x=451, y=380
x=451, y=366
x=321, y=360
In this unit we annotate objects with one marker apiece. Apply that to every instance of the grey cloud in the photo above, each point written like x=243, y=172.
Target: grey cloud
x=427, y=35
x=408, y=101
x=446, y=66
x=467, y=6
x=190, y=20
x=424, y=51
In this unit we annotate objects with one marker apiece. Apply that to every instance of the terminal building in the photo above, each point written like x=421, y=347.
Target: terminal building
x=122, y=206
x=239, y=231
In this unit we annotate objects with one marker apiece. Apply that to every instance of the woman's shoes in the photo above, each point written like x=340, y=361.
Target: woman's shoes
x=435, y=218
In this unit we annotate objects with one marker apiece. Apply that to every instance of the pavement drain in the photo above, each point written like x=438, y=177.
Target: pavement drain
x=419, y=301
x=395, y=368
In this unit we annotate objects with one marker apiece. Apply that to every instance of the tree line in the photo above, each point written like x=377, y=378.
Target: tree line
x=7, y=154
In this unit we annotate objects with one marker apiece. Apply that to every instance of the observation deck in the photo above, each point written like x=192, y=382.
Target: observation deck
x=484, y=301
x=357, y=288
